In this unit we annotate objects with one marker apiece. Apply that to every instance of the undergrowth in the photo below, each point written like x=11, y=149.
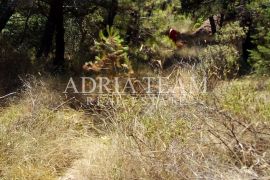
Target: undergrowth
x=138, y=137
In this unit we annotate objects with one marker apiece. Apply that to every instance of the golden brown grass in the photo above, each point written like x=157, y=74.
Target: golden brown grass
x=36, y=141
x=137, y=138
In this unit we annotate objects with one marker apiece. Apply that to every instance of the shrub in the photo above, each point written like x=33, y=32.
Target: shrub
x=113, y=54
x=231, y=33
x=220, y=61
x=260, y=56
x=223, y=61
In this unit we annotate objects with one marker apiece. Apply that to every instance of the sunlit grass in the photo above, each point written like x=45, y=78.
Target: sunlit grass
x=136, y=138
x=249, y=97
x=37, y=142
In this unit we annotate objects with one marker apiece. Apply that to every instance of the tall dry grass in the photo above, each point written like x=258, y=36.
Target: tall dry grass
x=155, y=138
x=37, y=140
x=192, y=137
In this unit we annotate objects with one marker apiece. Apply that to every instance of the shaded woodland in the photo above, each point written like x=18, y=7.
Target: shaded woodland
x=217, y=127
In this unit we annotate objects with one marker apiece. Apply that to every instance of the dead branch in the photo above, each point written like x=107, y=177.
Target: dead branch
x=10, y=94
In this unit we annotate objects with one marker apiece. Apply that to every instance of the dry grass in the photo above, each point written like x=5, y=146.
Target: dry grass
x=137, y=138
x=249, y=97
x=150, y=139
x=37, y=142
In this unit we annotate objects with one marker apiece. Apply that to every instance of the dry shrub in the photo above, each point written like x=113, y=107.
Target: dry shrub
x=248, y=97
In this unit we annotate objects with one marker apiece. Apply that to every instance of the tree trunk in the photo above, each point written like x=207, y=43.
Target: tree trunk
x=213, y=24
x=112, y=13
x=133, y=28
x=47, y=39
x=54, y=25
x=221, y=20
x=60, y=31
x=246, y=21
x=7, y=9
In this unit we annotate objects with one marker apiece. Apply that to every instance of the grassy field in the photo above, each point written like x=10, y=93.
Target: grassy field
x=222, y=134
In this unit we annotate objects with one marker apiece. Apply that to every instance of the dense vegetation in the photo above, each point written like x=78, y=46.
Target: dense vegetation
x=220, y=133
x=63, y=33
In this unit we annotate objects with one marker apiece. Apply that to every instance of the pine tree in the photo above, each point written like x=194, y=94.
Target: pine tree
x=260, y=56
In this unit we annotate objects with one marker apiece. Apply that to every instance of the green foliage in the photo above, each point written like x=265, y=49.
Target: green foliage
x=112, y=54
x=22, y=34
x=146, y=26
x=260, y=56
x=220, y=61
x=206, y=8
x=110, y=45
x=79, y=37
x=231, y=33
x=199, y=22
x=247, y=97
x=223, y=61
x=155, y=29
x=80, y=32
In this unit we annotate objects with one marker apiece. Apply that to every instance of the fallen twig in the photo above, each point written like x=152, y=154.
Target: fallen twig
x=56, y=108
x=10, y=94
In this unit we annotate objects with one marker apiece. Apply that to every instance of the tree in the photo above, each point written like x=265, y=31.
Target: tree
x=54, y=25
x=112, y=11
x=260, y=55
x=7, y=8
x=206, y=8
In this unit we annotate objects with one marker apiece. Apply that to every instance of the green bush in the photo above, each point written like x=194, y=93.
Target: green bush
x=231, y=33
x=112, y=54
x=220, y=61
x=260, y=56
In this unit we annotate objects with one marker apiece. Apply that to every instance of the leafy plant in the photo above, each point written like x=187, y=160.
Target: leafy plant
x=112, y=54
x=231, y=33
